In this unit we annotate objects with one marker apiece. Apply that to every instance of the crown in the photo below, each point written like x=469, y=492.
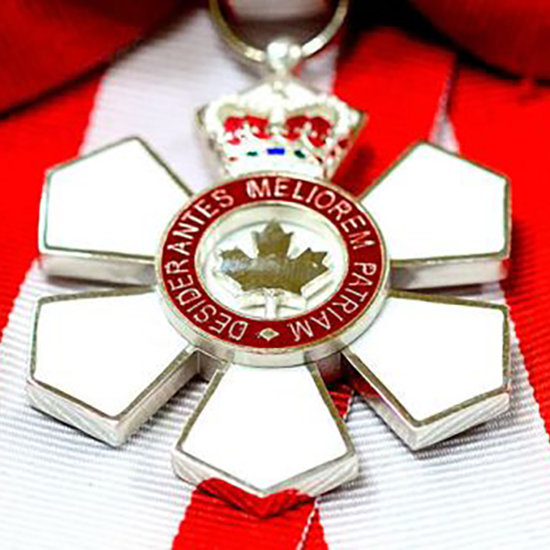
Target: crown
x=280, y=125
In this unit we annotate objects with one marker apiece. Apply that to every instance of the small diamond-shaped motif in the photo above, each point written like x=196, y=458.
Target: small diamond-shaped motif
x=268, y=334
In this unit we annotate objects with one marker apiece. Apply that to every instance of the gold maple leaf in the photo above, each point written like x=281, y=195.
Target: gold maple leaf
x=272, y=268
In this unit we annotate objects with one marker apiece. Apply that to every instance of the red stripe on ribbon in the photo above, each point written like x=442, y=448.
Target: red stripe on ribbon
x=506, y=126
x=211, y=524
x=30, y=142
x=400, y=83
x=315, y=537
x=44, y=44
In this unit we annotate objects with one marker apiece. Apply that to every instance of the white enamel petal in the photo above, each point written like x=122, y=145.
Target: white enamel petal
x=103, y=215
x=445, y=220
x=433, y=367
x=105, y=362
x=265, y=430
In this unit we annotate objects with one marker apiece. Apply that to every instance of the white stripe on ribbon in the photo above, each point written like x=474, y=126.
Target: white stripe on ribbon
x=155, y=92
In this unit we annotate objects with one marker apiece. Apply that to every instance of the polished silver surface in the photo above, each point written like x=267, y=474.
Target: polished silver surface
x=298, y=230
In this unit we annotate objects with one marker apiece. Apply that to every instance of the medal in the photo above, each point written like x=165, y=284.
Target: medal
x=268, y=284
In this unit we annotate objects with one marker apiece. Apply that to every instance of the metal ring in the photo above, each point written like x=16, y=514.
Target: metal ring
x=258, y=55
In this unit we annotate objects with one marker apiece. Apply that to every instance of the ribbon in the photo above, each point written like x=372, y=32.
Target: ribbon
x=505, y=124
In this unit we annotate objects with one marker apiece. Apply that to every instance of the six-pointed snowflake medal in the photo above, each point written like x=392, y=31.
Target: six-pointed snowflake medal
x=267, y=285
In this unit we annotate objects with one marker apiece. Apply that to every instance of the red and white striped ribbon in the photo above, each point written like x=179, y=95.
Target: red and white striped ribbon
x=487, y=488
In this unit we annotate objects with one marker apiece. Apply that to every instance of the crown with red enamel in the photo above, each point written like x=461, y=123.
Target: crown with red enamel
x=280, y=125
